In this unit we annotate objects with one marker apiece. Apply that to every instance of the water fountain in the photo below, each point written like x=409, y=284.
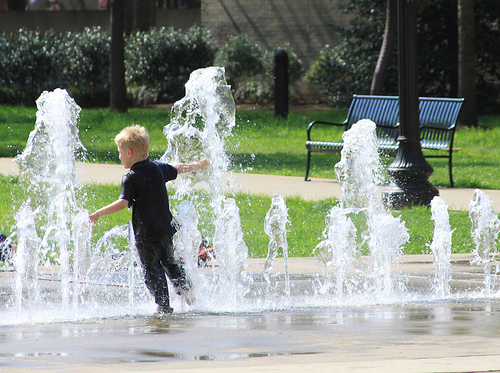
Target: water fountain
x=338, y=249
x=107, y=277
x=359, y=174
x=52, y=225
x=275, y=226
x=484, y=231
x=59, y=275
x=441, y=246
x=199, y=124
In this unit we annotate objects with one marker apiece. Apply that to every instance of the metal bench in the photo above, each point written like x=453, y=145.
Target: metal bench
x=438, y=117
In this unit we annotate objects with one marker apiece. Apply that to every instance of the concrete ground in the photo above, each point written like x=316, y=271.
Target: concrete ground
x=455, y=335
x=444, y=336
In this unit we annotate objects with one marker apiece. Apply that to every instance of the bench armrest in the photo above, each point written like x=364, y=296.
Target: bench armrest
x=312, y=124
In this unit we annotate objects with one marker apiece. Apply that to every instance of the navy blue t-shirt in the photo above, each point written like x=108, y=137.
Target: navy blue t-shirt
x=145, y=190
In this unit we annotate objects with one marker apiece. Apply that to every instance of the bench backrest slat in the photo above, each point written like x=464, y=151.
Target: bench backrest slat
x=382, y=110
x=441, y=113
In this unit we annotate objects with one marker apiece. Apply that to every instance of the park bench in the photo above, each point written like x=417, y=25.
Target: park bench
x=437, y=116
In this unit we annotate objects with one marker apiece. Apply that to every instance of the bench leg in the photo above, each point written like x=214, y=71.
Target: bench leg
x=308, y=164
x=450, y=164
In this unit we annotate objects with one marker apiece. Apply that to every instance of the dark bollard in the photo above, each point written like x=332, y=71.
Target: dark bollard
x=281, y=84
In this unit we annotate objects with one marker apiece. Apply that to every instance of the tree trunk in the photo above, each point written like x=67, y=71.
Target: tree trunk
x=387, y=49
x=385, y=56
x=118, y=94
x=144, y=15
x=466, y=63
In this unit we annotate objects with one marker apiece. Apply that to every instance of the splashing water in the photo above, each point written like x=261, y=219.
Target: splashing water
x=200, y=123
x=50, y=225
x=187, y=242
x=25, y=260
x=388, y=234
x=441, y=246
x=275, y=226
x=484, y=231
x=53, y=228
x=359, y=170
x=359, y=174
x=233, y=282
x=338, y=249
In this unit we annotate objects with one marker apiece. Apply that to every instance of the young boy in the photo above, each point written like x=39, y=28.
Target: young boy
x=143, y=188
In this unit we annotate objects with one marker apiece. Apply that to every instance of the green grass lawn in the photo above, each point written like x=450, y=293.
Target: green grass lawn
x=261, y=144
x=307, y=220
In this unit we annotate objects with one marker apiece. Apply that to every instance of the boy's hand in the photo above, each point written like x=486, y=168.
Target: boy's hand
x=204, y=164
x=93, y=218
x=113, y=207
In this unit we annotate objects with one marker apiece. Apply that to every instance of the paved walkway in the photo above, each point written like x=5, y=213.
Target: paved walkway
x=289, y=186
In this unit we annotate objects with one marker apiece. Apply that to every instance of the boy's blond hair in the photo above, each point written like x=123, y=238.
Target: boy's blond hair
x=134, y=137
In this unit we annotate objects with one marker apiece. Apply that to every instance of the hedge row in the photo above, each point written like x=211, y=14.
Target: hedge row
x=158, y=64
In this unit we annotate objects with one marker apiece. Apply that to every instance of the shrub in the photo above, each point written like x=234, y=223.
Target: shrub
x=242, y=58
x=250, y=70
x=347, y=68
x=26, y=64
x=338, y=74
x=158, y=62
x=84, y=64
x=86, y=58
x=32, y=63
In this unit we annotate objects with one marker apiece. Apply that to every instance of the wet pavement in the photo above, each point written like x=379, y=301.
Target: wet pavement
x=430, y=338
x=455, y=334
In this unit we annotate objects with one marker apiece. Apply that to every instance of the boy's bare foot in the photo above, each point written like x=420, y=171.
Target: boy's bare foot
x=186, y=293
x=162, y=310
x=188, y=298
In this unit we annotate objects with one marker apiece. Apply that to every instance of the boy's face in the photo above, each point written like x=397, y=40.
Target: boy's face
x=126, y=156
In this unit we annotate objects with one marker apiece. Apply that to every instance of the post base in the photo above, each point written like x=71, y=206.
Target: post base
x=409, y=174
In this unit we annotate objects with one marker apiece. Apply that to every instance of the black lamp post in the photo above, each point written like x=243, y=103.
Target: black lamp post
x=410, y=171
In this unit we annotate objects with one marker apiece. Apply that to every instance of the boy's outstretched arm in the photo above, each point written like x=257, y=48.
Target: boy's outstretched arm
x=182, y=168
x=113, y=207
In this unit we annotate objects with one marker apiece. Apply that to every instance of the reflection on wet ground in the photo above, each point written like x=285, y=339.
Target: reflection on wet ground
x=412, y=326
x=223, y=337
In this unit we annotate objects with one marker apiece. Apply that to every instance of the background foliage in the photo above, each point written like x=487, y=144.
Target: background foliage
x=32, y=63
x=158, y=63
x=250, y=70
x=347, y=68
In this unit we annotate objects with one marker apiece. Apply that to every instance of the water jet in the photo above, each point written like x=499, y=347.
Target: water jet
x=69, y=279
